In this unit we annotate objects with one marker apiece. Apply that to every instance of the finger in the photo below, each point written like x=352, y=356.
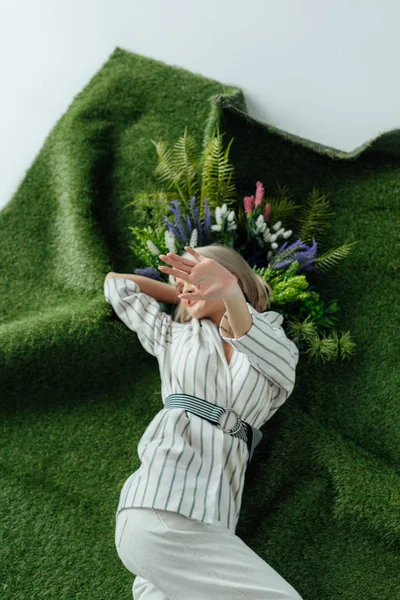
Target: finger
x=174, y=272
x=185, y=261
x=190, y=297
x=192, y=251
x=172, y=258
x=171, y=262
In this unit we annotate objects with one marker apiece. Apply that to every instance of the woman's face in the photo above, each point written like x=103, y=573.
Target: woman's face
x=208, y=309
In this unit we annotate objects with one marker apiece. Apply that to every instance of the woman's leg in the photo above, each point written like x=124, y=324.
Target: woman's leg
x=190, y=560
x=143, y=589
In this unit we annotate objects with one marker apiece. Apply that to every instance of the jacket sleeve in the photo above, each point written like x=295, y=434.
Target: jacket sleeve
x=270, y=351
x=140, y=312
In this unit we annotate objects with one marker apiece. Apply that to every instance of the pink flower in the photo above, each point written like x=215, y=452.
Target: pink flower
x=267, y=211
x=248, y=202
x=259, y=193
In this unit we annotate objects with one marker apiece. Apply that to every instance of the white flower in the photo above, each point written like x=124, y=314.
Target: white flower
x=287, y=234
x=273, y=237
x=193, y=239
x=218, y=215
x=153, y=248
x=260, y=225
x=221, y=216
x=169, y=240
x=277, y=226
x=274, y=246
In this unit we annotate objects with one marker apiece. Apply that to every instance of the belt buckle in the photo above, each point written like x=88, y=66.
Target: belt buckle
x=237, y=426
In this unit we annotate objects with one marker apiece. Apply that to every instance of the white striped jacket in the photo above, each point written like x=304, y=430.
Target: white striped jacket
x=188, y=465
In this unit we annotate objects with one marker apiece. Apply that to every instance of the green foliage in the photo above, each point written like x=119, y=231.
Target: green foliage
x=311, y=313
x=313, y=218
x=178, y=166
x=329, y=347
x=326, y=347
x=331, y=257
x=150, y=207
x=211, y=177
x=309, y=221
x=140, y=248
x=282, y=208
x=286, y=285
x=315, y=307
x=181, y=169
x=217, y=175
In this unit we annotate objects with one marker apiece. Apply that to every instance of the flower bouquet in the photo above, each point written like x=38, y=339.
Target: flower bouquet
x=260, y=229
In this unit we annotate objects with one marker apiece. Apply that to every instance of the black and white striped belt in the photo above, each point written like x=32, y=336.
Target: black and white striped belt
x=212, y=412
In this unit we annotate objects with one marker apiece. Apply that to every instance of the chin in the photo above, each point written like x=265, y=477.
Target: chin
x=196, y=311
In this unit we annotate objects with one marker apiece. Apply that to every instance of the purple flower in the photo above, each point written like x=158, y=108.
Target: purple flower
x=179, y=232
x=171, y=228
x=149, y=272
x=294, y=245
x=195, y=214
x=282, y=265
x=183, y=228
x=306, y=258
x=207, y=221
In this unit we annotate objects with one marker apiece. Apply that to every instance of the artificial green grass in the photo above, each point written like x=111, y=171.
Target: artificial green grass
x=322, y=495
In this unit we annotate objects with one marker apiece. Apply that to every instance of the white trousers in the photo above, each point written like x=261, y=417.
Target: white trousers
x=177, y=558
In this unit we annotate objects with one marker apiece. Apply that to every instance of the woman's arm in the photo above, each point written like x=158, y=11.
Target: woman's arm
x=162, y=292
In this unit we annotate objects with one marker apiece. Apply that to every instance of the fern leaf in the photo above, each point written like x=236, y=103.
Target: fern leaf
x=315, y=216
x=283, y=192
x=217, y=174
x=165, y=170
x=281, y=210
x=331, y=258
x=186, y=164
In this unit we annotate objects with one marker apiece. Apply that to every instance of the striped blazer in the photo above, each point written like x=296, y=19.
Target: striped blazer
x=188, y=465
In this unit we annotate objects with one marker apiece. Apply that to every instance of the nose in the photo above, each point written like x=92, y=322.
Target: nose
x=188, y=290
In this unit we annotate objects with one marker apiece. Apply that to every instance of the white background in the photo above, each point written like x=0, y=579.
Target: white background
x=327, y=71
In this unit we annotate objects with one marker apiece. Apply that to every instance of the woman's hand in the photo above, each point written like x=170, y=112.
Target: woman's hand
x=210, y=278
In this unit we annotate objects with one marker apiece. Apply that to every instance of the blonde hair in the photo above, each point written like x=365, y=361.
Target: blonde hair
x=257, y=292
